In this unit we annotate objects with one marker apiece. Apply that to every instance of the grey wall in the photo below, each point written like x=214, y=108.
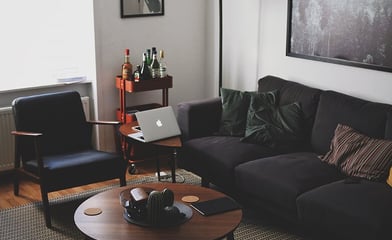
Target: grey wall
x=181, y=32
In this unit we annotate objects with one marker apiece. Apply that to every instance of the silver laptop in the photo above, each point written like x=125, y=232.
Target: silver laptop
x=156, y=124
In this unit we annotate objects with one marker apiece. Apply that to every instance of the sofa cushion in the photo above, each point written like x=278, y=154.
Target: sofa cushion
x=234, y=112
x=274, y=126
x=359, y=155
x=269, y=124
x=290, y=92
x=215, y=157
x=388, y=127
x=352, y=211
x=366, y=117
x=279, y=180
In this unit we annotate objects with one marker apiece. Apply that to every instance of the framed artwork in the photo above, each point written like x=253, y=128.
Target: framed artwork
x=350, y=32
x=141, y=8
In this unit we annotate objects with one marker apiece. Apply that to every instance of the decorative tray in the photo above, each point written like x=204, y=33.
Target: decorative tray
x=186, y=210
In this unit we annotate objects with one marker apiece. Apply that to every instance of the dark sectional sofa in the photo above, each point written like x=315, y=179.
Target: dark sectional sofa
x=291, y=181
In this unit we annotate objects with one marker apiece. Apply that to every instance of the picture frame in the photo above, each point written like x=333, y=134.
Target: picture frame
x=141, y=8
x=354, y=33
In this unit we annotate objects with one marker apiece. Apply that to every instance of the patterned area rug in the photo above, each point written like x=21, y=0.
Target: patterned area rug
x=27, y=222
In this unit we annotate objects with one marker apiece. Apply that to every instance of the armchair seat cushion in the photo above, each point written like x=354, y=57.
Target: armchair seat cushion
x=86, y=166
x=360, y=210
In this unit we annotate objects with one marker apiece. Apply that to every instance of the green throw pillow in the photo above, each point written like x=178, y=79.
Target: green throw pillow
x=270, y=124
x=234, y=112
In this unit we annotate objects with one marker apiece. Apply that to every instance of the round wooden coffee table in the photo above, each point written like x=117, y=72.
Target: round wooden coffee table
x=110, y=224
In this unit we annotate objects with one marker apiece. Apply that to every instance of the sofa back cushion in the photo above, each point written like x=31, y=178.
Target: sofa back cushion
x=290, y=92
x=366, y=117
x=388, y=128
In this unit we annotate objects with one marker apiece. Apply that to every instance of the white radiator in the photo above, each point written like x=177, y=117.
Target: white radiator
x=7, y=124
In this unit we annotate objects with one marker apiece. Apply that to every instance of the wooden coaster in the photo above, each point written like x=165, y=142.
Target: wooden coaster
x=92, y=211
x=190, y=199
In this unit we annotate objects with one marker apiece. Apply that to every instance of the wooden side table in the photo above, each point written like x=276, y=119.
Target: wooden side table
x=172, y=143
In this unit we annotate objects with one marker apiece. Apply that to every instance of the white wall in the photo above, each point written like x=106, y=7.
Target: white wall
x=181, y=32
x=240, y=43
x=368, y=84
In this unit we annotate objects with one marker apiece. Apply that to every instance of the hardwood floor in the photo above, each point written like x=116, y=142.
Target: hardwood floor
x=30, y=191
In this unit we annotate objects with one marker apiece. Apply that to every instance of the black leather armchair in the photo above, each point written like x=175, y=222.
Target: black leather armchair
x=53, y=144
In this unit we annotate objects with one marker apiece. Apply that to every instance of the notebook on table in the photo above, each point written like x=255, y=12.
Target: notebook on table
x=215, y=206
x=156, y=124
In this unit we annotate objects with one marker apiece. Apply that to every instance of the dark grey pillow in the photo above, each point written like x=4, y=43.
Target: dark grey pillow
x=270, y=124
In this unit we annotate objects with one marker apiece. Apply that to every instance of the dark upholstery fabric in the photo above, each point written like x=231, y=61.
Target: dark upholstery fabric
x=291, y=92
x=274, y=126
x=61, y=120
x=68, y=157
x=103, y=166
x=348, y=211
x=279, y=180
x=199, y=118
x=367, y=117
x=235, y=106
x=215, y=157
x=388, y=128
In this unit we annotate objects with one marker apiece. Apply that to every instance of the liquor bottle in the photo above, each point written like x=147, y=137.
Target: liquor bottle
x=126, y=69
x=162, y=65
x=148, y=56
x=154, y=66
x=154, y=50
x=136, y=74
x=145, y=73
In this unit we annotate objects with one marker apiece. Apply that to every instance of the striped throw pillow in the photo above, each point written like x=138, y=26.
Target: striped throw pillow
x=358, y=155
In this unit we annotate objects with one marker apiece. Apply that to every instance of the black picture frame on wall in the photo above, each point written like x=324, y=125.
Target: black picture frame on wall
x=141, y=8
x=355, y=33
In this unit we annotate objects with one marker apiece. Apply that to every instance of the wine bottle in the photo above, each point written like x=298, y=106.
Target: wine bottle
x=154, y=50
x=145, y=73
x=126, y=69
x=162, y=65
x=148, y=56
x=154, y=66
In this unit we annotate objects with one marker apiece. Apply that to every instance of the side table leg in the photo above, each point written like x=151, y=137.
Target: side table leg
x=173, y=165
x=158, y=170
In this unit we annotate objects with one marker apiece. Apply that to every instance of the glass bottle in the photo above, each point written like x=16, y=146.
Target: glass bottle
x=148, y=56
x=136, y=74
x=162, y=64
x=126, y=68
x=154, y=66
x=145, y=73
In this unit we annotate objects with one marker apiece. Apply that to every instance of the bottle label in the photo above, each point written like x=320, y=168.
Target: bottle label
x=162, y=72
x=155, y=72
x=125, y=74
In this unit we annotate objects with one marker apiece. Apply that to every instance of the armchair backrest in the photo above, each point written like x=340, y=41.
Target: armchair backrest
x=58, y=116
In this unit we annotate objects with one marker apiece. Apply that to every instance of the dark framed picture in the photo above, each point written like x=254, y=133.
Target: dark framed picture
x=141, y=8
x=350, y=32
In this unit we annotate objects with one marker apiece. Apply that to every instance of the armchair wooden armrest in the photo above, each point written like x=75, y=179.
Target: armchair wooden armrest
x=27, y=134
x=35, y=136
x=116, y=125
x=100, y=122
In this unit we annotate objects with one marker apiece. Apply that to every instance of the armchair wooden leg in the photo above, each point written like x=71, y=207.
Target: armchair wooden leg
x=16, y=183
x=123, y=181
x=45, y=203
